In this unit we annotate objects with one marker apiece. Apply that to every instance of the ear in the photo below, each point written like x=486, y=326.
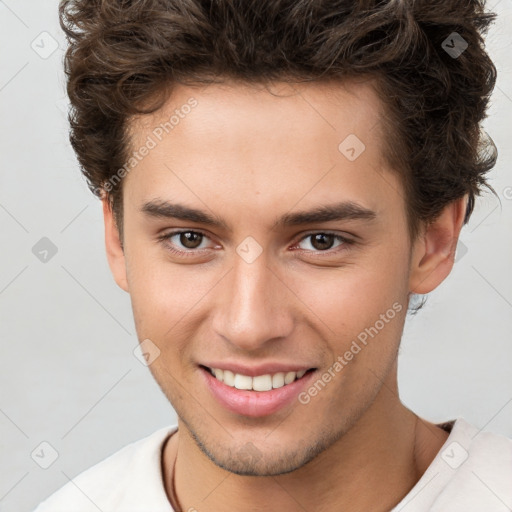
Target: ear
x=115, y=252
x=433, y=252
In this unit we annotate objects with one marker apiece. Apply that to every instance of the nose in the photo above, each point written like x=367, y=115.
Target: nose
x=254, y=305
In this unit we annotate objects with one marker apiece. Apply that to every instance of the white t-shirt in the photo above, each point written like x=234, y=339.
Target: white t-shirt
x=471, y=473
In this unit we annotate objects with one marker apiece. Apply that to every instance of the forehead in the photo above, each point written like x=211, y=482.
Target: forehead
x=313, y=142
x=231, y=110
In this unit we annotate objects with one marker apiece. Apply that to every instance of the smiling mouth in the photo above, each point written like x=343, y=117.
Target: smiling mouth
x=264, y=382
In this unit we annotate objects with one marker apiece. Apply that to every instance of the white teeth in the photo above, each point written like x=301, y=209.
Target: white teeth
x=218, y=373
x=278, y=380
x=229, y=378
x=243, y=382
x=289, y=377
x=262, y=383
x=259, y=383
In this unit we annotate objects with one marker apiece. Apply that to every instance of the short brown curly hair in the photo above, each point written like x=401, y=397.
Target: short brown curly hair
x=434, y=76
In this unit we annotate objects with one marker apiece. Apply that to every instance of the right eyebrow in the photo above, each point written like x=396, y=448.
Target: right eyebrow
x=168, y=210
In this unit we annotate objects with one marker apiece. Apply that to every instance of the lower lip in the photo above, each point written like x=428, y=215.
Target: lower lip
x=255, y=403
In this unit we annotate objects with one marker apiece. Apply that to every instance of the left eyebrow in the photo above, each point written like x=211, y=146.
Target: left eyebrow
x=347, y=210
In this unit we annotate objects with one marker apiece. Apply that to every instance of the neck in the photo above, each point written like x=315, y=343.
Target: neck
x=372, y=467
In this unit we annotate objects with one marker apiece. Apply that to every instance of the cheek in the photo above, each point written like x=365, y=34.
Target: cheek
x=167, y=299
x=162, y=305
x=361, y=309
x=356, y=295
x=156, y=292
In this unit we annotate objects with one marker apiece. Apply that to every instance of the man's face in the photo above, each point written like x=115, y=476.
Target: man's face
x=258, y=296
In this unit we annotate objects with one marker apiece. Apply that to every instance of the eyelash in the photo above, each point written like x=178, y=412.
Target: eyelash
x=164, y=239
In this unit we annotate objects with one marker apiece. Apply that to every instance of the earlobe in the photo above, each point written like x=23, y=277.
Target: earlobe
x=434, y=252
x=114, y=249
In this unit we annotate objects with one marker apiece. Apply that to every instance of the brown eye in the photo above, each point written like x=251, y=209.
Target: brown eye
x=184, y=243
x=324, y=242
x=190, y=239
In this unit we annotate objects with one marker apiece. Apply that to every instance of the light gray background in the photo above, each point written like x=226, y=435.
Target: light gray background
x=68, y=373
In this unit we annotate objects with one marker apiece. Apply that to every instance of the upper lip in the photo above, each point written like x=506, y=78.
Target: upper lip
x=260, y=369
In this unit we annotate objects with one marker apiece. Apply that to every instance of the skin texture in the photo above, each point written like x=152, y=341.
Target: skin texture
x=249, y=156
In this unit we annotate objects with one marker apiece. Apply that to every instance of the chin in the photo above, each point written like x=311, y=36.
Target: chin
x=260, y=464
x=248, y=459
